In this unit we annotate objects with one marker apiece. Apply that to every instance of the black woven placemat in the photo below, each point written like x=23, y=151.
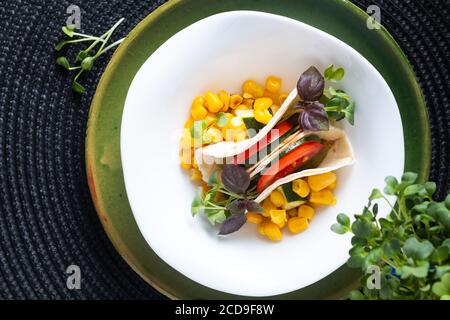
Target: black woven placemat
x=47, y=220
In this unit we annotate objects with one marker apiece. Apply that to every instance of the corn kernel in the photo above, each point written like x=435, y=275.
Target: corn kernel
x=278, y=216
x=189, y=122
x=215, y=133
x=261, y=228
x=262, y=103
x=225, y=97
x=247, y=95
x=228, y=134
x=306, y=211
x=297, y=224
x=332, y=186
x=267, y=205
x=281, y=224
x=248, y=102
x=186, y=158
x=187, y=142
x=277, y=198
x=239, y=135
x=240, y=107
x=325, y=197
x=195, y=174
x=235, y=100
x=255, y=218
x=210, y=118
x=262, y=116
x=300, y=187
x=282, y=97
x=237, y=123
x=321, y=181
x=272, y=231
x=273, y=84
x=292, y=212
x=253, y=88
x=199, y=112
x=213, y=101
x=199, y=100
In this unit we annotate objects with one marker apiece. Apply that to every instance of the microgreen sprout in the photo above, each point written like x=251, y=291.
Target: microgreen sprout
x=84, y=60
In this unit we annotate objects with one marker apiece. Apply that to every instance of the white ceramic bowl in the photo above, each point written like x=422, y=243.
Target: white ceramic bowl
x=220, y=52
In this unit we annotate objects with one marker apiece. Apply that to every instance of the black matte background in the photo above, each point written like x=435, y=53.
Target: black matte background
x=47, y=220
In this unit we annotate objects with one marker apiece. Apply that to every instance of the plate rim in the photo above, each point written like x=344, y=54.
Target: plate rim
x=90, y=145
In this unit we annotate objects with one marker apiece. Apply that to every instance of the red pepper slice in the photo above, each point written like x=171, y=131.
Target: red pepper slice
x=291, y=162
x=271, y=136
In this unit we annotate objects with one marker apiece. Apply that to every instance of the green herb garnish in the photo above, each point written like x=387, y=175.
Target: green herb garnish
x=233, y=185
x=84, y=60
x=411, y=246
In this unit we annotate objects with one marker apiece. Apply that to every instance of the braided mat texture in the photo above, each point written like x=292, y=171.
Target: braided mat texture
x=47, y=220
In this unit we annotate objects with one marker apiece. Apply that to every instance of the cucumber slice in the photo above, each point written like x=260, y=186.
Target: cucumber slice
x=252, y=125
x=293, y=200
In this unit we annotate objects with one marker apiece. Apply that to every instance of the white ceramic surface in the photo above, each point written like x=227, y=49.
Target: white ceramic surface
x=220, y=52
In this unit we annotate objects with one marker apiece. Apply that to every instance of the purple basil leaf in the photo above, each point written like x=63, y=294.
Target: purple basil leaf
x=235, y=178
x=314, y=118
x=237, y=207
x=253, y=206
x=232, y=224
x=310, y=85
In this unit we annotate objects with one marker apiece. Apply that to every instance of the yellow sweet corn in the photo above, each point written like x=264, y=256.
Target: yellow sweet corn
x=322, y=197
x=225, y=97
x=240, y=107
x=210, y=118
x=278, y=216
x=297, y=224
x=261, y=228
x=247, y=96
x=277, y=198
x=235, y=100
x=253, y=88
x=255, y=218
x=189, y=122
x=272, y=231
x=332, y=186
x=248, y=103
x=228, y=134
x=262, y=103
x=199, y=100
x=292, y=212
x=267, y=205
x=213, y=102
x=262, y=116
x=186, y=158
x=273, y=84
x=187, y=142
x=300, y=187
x=237, y=123
x=215, y=133
x=198, y=112
x=282, y=97
x=239, y=135
x=195, y=174
x=321, y=181
x=306, y=211
x=281, y=224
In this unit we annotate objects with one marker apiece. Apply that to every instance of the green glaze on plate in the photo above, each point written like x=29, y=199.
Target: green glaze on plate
x=336, y=17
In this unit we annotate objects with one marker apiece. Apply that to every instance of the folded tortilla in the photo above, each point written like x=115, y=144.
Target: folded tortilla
x=214, y=155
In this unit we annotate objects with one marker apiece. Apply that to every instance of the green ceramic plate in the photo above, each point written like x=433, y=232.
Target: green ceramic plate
x=337, y=17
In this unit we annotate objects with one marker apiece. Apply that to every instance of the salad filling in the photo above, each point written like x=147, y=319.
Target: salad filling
x=278, y=162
